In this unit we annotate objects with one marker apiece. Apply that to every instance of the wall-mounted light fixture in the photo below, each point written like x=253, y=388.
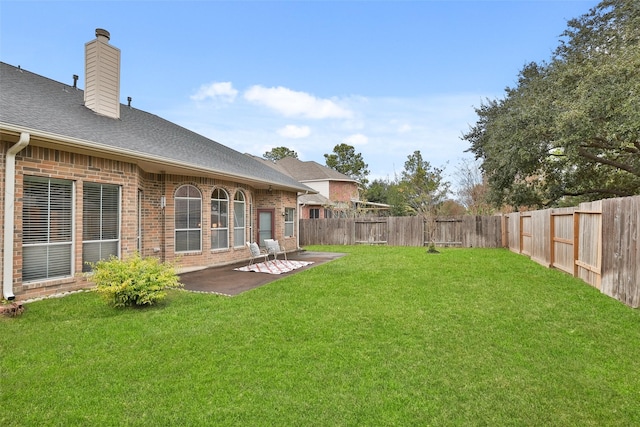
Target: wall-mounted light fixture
x=163, y=202
x=270, y=190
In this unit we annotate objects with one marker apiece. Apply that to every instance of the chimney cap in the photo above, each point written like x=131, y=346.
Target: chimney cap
x=102, y=33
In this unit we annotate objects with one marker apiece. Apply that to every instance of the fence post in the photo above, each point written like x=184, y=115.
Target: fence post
x=521, y=232
x=552, y=236
x=576, y=242
x=504, y=232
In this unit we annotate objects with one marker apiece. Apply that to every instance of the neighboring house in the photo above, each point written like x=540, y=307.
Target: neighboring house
x=338, y=195
x=83, y=178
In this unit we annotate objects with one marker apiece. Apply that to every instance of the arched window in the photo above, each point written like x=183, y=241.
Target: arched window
x=239, y=219
x=219, y=219
x=188, y=219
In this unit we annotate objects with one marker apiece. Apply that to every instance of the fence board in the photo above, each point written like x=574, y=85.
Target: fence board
x=621, y=252
x=448, y=231
x=370, y=231
x=405, y=231
x=562, y=239
x=481, y=231
x=513, y=232
x=589, y=242
x=525, y=233
x=540, y=237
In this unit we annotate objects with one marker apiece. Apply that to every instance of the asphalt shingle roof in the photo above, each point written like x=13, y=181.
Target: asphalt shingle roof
x=310, y=170
x=33, y=102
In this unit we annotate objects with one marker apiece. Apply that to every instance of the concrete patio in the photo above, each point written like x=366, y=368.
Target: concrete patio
x=225, y=280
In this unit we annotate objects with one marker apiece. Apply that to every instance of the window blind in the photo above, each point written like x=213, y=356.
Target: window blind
x=100, y=222
x=47, y=224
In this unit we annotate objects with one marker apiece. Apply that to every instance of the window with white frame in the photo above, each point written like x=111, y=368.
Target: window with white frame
x=100, y=222
x=219, y=219
x=289, y=222
x=188, y=219
x=239, y=219
x=47, y=224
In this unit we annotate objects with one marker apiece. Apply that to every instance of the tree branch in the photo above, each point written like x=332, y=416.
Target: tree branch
x=605, y=144
x=619, y=193
x=627, y=168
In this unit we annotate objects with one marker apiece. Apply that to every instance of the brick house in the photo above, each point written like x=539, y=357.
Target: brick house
x=83, y=177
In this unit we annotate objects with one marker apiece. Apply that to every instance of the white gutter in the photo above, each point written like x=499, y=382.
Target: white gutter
x=9, y=215
x=298, y=212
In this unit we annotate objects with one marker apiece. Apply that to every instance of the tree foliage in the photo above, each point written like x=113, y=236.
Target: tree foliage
x=424, y=190
x=345, y=160
x=378, y=191
x=423, y=186
x=278, y=153
x=387, y=192
x=570, y=130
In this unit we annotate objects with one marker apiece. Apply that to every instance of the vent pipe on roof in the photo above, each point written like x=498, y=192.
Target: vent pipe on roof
x=75, y=81
x=103, y=35
x=102, y=76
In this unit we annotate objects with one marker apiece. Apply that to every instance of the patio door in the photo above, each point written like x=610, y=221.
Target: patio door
x=265, y=225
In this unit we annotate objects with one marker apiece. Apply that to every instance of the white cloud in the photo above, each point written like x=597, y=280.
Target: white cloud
x=356, y=139
x=437, y=123
x=296, y=104
x=216, y=90
x=294, y=132
x=404, y=128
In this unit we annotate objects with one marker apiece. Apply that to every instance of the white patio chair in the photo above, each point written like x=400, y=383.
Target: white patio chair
x=256, y=252
x=274, y=248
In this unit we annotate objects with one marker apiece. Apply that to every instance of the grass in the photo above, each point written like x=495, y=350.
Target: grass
x=382, y=336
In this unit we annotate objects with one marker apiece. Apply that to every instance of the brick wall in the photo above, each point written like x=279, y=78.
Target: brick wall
x=157, y=223
x=340, y=191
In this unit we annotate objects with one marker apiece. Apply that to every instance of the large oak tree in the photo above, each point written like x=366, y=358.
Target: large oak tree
x=570, y=130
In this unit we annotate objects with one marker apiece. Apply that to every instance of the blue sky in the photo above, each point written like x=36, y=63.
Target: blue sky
x=387, y=77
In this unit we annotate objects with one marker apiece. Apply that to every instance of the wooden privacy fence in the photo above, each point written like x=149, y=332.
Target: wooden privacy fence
x=596, y=242
x=461, y=231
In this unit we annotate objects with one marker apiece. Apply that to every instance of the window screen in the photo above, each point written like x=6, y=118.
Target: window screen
x=100, y=222
x=289, y=224
x=47, y=223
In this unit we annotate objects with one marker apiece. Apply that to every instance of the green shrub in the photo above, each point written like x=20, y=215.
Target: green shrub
x=135, y=281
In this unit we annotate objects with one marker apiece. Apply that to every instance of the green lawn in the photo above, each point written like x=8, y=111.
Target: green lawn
x=382, y=336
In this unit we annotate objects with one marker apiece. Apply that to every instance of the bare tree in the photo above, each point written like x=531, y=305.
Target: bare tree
x=472, y=187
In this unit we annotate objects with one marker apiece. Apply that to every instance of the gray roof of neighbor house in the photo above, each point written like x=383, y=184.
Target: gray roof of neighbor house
x=54, y=112
x=311, y=171
x=308, y=171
